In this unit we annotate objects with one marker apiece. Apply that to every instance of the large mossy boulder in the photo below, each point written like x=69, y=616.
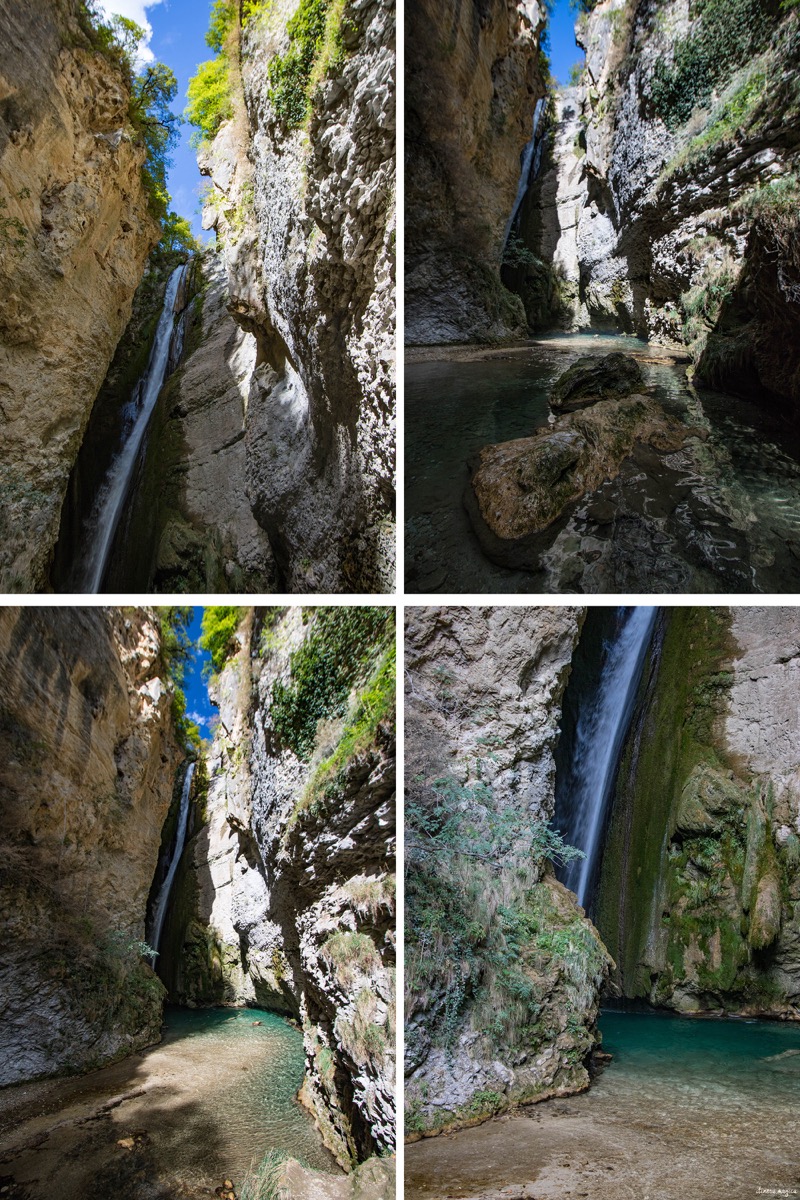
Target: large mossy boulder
x=520, y=489
x=596, y=377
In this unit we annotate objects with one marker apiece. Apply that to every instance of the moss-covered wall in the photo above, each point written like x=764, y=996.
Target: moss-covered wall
x=693, y=883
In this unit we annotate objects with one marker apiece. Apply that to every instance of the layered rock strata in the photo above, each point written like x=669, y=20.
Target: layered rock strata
x=75, y=233
x=496, y=1014
x=306, y=219
x=88, y=763
x=473, y=80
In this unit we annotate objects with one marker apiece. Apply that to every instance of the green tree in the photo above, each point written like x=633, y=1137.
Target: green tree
x=217, y=633
x=152, y=93
x=210, y=101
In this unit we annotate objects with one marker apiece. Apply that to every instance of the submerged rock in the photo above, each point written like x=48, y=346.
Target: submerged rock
x=596, y=377
x=520, y=488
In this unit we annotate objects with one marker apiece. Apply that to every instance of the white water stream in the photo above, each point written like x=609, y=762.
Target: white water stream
x=532, y=154
x=107, y=510
x=180, y=841
x=599, y=736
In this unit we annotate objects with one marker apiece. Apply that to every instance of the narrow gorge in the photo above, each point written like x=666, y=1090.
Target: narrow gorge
x=187, y=417
x=197, y=977
x=626, y=235
x=644, y=1038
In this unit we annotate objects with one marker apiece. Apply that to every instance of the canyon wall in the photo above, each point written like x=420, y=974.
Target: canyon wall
x=306, y=220
x=473, y=77
x=681, y=185
x=189, y=526
x=88, y=759
x=700, y=893
x=285, y=898
x=75, y=233
x=503, y=971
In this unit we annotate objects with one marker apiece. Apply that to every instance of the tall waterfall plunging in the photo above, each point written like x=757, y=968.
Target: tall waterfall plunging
x=531, y=161
x=102, y=523
x=180, y=841
x=599, y=735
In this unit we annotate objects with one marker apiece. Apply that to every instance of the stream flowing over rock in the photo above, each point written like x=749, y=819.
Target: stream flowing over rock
x=699, y=894
x=473, y=79
x=503, y=978
x=288, y=903
x=75, y=233
x=88, y=758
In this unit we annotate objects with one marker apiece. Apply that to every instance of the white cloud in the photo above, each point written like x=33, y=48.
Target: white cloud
x=198, y=718
x=135, y=10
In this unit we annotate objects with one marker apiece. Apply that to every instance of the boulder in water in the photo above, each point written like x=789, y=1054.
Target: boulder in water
x=521, y=488
x=596, y=377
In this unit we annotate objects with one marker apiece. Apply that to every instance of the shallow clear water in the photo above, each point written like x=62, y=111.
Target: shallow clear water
x=250, y=1111
x=732, y=1062
x=720, y=515
x=689, y=1109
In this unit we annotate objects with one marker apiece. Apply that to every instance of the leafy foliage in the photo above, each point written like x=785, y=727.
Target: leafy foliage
x=726, y=35
x=373, y=705
x=289, y=74
x=316, y=44
x=151, y=93
x=217, y=630
x=176, y=648
x=472, y=900
x=224, y=15
x=210, y=98
x=323, y=669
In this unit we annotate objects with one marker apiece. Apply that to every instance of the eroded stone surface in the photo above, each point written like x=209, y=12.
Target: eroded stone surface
x=70, y=176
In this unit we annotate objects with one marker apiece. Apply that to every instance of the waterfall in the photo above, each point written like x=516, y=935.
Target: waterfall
x=102, y=523
x=599, y=736
x=180, y=841
x=531, y=158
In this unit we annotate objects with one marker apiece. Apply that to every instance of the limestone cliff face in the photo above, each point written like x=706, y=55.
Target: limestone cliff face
x=88, y=762
x=307, y=221
x=189, y=526
x=672, y=188
x=74, y=236
x=496, y=1013
x=472, y=82
x=701, y=875
x=288, y=902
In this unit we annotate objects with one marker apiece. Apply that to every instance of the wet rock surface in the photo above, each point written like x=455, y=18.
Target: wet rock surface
x=612, y=376
x=521, y=488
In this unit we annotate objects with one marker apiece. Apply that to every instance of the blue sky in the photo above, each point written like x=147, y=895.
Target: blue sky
x=176, y=32
x=198, y=706
x=564, y=51
x=176, y=35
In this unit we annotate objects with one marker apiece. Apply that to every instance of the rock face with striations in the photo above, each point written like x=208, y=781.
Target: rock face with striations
x=288, y=902
x=88, y=762
x=700, y=890
x=191, y=514
x=472, y=85
x=682, y=173
x=505, y=1018
x=75, y=233
x=307, y=220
